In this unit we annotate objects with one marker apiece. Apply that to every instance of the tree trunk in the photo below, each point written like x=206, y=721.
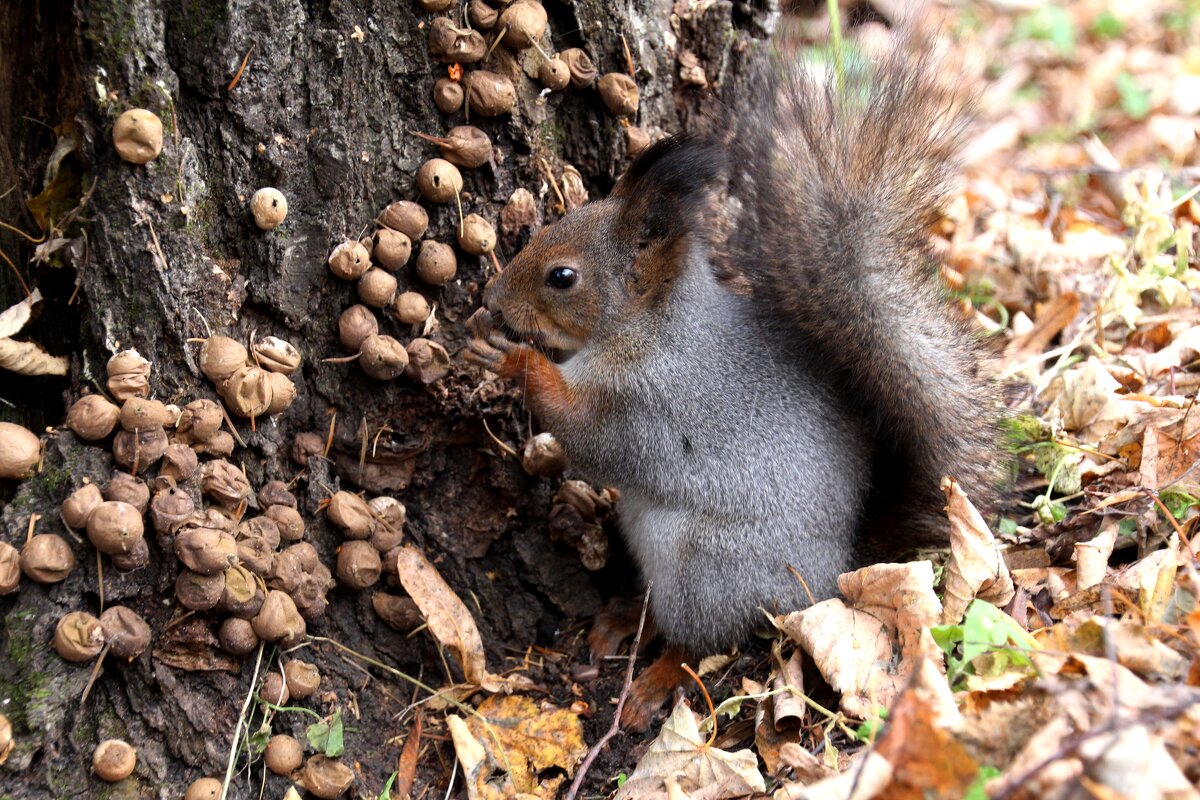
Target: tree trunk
x=157, y=256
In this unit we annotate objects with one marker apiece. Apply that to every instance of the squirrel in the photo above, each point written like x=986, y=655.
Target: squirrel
x=782, y=402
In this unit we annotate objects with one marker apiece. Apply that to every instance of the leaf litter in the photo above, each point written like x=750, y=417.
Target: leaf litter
x=1056, y=652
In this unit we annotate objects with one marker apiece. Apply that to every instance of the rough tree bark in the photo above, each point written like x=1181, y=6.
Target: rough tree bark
x=165, y=253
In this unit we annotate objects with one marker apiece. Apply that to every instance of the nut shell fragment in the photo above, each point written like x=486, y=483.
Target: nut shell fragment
x=349, y=260
x=10, y=574
x=79, y=505
x=125, y=632
x=580, y=64
x=326, y=778
x=439, y=181
x=221, y=356
x=428, y=361
x=78, y=637
x=114, y=527
x=277, y=355
x=448, y=95
x=620, y=93
x=406, y=217
x=411, y=307
x=489, y=94
x=355, y=324
x=128, y=375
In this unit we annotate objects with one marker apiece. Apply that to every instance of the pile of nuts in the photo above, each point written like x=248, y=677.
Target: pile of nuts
x=253, y=383
x=520, y=27
x=374, y=262
x=372, y=532
x=577, y=516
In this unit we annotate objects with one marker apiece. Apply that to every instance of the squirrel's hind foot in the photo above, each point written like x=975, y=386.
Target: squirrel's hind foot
x=655, y=684
x=616, y=624
x=652, y=687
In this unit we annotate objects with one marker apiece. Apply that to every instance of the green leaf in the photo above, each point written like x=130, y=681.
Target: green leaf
x=386, y=792
x=1048, y=24
x=1178, y=502
x=987, y=628
x=947, y=637
x=869, y=729
x=258, y=740
x=327, y=737
x=621, y=780
x=1135, y=101
x=1107, y=25
x=1008, y=526
x=975, y=790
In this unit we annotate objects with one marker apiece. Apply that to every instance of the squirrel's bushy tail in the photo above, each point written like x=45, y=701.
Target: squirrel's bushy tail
x=839, y=182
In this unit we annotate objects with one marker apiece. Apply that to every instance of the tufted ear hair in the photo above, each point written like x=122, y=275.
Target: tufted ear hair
x=665, y=188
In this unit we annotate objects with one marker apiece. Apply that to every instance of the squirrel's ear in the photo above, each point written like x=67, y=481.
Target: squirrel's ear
x=665, y=188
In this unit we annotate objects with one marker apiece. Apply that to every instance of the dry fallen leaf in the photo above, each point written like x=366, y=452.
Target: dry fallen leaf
x=1133, y=763
x=472, y=757
x=448, y=618
x=1169, y=461
x=976, y=569
x=524, y=739
x=927, y=759
x=1091, y=557
x=868, y=650
x=25, y=358
x=1088, y=400
x=681, y=752
x=869, y=775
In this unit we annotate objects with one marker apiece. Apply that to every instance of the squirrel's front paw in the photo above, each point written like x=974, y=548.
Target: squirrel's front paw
x=489, y=348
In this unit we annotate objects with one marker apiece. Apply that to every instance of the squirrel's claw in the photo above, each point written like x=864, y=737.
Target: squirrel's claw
x=490, y=346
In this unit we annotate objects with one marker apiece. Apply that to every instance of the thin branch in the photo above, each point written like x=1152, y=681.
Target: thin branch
x=616, y=723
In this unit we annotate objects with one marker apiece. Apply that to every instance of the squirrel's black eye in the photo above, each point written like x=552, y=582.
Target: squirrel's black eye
x=562, y=278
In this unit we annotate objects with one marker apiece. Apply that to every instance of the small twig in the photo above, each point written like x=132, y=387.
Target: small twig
x=499, y=443
x=16, y=272
x=812, y=601
x=495, y=261
x=562, y=203
x=341, y=359
x=158, y=251
x=229, y=423
x=329, y=438
x=96, y=669
x=628, y=57
x=1170, y=518
x=237, y=77
x=712, y=711
x=616, y=723
x=23, y=234
x=100, y=579
x=503, y=31
x=237, y=732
